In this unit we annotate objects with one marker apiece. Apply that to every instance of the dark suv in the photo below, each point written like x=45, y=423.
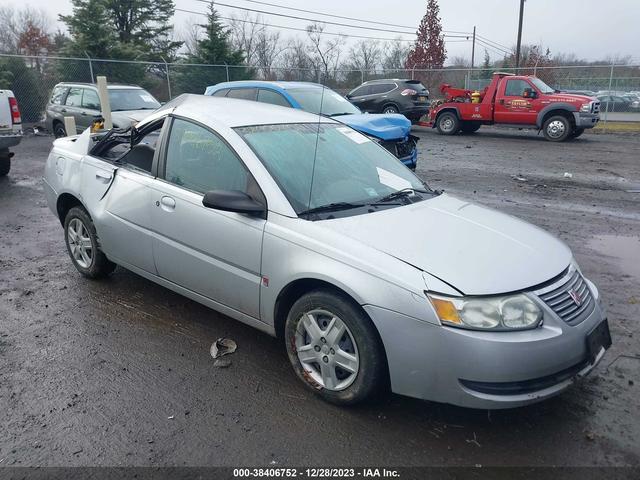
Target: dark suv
x=408, y=97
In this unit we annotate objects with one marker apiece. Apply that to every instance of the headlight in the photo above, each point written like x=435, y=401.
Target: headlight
x=513, y=312
x=586, y=108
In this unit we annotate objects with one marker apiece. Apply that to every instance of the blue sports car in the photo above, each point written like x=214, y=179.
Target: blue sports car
x=392, y=131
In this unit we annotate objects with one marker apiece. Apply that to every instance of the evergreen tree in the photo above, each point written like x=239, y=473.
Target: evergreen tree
x=428, y=51
x=213, y=49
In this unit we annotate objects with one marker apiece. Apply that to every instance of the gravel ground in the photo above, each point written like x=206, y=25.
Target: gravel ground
x=118, y=372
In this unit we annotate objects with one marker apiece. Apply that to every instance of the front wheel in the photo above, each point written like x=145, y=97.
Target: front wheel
x=557, y=128
x=334, y=348
x=58, y=130
x=448, y=123
x=390, y=109
x=82, y=245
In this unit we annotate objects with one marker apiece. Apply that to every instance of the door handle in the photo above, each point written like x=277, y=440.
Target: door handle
x=64, y=110
x=501, y=101
x=104, y=177
x=168, y=204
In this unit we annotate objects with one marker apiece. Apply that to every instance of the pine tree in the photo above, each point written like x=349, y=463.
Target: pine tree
x=428, y=51
x=213, y=49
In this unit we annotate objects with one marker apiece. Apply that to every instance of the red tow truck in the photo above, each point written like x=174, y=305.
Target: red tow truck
x=520, y=101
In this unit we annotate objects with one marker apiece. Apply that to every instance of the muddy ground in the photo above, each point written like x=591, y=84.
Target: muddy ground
x=118, y=372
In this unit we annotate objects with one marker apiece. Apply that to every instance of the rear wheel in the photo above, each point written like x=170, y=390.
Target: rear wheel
x=448, y=123
x=5, y=163
x=470, y=127
x=334, y=348
x=557, y=128
x=390, y=109
x=58, y=130
x=82, y=245
x=577, y=132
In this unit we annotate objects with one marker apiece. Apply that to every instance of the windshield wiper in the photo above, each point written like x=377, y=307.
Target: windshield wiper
x=331, y=207
x=405, y=192
x=338, y=114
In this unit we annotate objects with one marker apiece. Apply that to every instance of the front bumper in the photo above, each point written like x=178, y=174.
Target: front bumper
x=586, y=120
x=488, y=370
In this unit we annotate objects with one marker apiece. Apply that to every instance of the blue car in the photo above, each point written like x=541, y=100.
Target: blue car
x=389, y=130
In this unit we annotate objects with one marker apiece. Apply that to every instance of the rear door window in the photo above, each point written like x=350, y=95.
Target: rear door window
x=221, y=93
x=74, y=97
x=242, y=93
x=381, y=88
x=272, y=97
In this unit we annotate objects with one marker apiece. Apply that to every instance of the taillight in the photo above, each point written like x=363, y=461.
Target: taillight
x=15, y=111
x=408, y=91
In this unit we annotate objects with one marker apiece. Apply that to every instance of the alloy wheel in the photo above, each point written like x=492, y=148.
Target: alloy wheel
x=556, y=129
x=79, y=242
x=327, y=350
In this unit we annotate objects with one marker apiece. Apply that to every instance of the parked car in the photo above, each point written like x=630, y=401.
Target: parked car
x=306, y=229
x=390, y=131
x=615, y=103
x=129, y=104
x=407, y=97
x=587, y=93
x=10, y=129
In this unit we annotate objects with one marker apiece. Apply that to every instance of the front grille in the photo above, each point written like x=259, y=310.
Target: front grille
x=595, y=107
x=400, y=149
x=562, y=299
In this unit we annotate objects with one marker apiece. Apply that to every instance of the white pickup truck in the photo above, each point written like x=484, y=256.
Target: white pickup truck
x=10, y=128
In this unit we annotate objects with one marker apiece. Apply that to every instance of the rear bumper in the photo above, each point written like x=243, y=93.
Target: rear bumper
x=415, y=113
x=586, y=120
x=9, y=140
x=488, y=370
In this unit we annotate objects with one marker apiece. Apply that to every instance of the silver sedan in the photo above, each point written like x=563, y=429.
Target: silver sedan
x=308, y=230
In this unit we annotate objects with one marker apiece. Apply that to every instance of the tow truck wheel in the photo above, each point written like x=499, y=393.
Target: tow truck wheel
x=470, y=127
x=557, y=128
x=577, y=132
x=448, y=123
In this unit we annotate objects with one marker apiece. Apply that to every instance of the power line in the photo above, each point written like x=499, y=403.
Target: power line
x=294, y=17
x=313, y=12
x=496, y=44
x=297, y=29
x=490, y=47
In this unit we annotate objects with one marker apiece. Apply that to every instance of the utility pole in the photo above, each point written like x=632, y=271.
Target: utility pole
x=519, y=34
x=473, y=47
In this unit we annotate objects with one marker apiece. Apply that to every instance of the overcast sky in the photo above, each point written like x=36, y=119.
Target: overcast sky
x=592, y=29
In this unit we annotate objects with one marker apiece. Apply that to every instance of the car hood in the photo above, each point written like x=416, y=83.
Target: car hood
x=571, y=98
x=384, y=127
x=477, y=250
x=132, y=116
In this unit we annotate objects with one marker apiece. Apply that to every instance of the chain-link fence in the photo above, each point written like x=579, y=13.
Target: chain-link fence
x=33, y=78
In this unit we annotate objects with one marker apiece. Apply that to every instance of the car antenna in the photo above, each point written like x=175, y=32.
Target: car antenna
x=315, y=152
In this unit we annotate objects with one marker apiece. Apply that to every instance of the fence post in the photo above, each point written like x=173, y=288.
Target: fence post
x=362, y=75
x=227, y=69
x=90, y=67
x=166, y=68
x=606, y=113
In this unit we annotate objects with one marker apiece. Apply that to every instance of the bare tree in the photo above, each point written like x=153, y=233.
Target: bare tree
x=394, y=55
x=268, y=49
x=244, y=34
x=190, y=35
x=324, y=53
x=16, y=25
x=295, y=61
x=365, y=55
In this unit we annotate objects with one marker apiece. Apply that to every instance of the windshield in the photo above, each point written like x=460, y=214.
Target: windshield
x=349, y=167
x=540, y=85
x=332, y=103
x=131, y=99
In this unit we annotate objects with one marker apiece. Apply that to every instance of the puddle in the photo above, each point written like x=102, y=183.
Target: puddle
x=625, y=250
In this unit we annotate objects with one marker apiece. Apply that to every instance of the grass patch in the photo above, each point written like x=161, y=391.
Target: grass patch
x=617, y=127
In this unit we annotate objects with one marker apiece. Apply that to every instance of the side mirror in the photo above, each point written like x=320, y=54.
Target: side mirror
x=529, y=93
x=234, y=201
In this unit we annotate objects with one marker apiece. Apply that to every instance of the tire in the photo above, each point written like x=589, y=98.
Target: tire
x=390, y=109
x=5, y=163
x=324, y=328
x=470, y=127
x=577, y=132
x=557, y=128
x=86, y=256
x=448, y=123
x=58, y=130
